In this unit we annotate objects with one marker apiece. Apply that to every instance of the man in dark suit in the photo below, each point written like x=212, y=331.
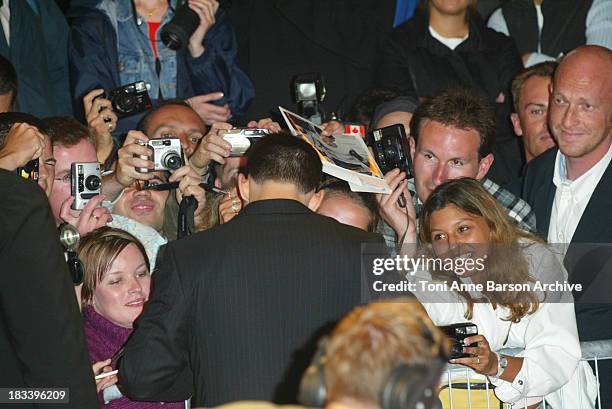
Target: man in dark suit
x=570, y=188
x=42, y=344
x=237, y=309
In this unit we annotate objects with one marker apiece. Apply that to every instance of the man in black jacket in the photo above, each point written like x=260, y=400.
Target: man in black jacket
x=237, y=309
x=570, y=189
x=42, y=344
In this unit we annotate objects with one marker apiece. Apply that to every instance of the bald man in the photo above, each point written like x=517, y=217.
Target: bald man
x=570, y=188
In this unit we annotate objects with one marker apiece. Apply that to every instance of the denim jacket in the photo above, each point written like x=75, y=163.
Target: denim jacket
x=108, y=49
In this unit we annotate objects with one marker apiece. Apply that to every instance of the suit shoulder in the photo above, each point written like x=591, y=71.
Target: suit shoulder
x=543, y=162
x=19, y=195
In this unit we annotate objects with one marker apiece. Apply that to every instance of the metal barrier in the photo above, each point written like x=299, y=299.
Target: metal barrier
x=592, y=351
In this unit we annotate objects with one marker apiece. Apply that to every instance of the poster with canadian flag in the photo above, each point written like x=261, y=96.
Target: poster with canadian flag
x=343, y=156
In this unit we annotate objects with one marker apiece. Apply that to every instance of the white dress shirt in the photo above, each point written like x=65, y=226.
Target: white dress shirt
x=572, y=197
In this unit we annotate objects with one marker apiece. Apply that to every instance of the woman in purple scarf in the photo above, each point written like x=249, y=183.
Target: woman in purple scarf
x=115, y=288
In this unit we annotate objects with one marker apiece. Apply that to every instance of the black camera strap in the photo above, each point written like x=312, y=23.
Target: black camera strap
x=186, y=213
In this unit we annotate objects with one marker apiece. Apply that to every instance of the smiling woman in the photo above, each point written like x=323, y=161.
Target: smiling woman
x=115, y=288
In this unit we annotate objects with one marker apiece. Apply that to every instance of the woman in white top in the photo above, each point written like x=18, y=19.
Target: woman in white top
x=462, y=221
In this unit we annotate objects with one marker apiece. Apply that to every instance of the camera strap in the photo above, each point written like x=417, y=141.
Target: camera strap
x=186, y=213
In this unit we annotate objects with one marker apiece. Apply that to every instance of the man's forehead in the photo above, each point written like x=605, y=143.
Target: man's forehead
x=176, y=116
x=83, y=151
x=448, y=139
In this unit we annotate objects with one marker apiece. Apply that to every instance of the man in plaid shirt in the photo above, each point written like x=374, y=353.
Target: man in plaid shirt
x=451, y=138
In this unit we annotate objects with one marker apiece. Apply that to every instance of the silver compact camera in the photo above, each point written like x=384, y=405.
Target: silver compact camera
x=167, y=154
x=242, y=138
x=85, y=183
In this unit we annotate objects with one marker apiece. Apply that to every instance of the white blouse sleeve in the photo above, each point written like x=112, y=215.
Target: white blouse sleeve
x=551, y=353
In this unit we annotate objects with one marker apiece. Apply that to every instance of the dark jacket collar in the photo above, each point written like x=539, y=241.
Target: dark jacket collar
x=275, y=206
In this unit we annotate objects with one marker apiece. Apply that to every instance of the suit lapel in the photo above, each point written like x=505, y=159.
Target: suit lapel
x=594, y=225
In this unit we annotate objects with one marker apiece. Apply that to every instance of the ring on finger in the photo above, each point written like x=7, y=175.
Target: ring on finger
x=235, y=208
x=477, y=360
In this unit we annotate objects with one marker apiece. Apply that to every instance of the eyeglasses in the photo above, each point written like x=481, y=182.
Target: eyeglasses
x=64, y=179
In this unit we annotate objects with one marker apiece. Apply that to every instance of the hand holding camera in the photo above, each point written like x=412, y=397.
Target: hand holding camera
x=401, y=219
x=90, y=218
x=189, y=185
x=23, y=144
x=132, y=155
x=479, y=356
x=102, y=121
x=206, y=10
x=212, y=148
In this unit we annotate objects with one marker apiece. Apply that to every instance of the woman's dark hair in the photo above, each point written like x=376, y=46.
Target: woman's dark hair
x=505, y=260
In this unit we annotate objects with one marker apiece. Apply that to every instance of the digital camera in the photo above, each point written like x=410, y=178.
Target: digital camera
x=167, y=154
x=29, y=171
x=457, y=334
x=86, y=183
x=242, y=139
x=130, y=99
x=391, y=149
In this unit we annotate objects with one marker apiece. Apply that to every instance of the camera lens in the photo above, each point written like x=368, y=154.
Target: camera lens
x=92, y=182
x=176, y=33
x=391, y=152
x=172, y=160
x=126, y=103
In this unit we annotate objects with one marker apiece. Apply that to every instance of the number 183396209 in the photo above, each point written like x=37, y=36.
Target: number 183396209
x=34, y=395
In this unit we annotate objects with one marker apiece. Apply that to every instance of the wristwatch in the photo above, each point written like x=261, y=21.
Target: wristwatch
x=502, y=364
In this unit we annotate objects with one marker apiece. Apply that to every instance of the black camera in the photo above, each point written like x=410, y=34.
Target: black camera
x=130, y=99
x=29, y=170
x=457, y=334
x=86, y=183
x=167, y=154
x=391, y=149
x=176, y=33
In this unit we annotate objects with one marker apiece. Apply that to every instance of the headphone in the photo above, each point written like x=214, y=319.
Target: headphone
x=407, y=387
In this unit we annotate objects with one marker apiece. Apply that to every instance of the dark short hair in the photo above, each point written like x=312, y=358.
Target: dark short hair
x=544, y=69
x=460, y=108
x=8, y=79
x=67, y=131
x=143, y=125
x=8, y=119
x=282, y=157
x=337, y=187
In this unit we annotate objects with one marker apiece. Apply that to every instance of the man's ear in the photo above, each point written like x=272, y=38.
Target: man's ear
x=243, y=187
x=315, y=201
x=412, y=144
x=484, y=165
x=516, y=124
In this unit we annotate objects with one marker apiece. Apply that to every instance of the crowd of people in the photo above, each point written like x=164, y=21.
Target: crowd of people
x=224, y=278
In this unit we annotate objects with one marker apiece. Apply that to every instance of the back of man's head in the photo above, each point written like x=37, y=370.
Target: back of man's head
x=8, y=85
x=358, y=209
x=67, y=131
x=371, y=342
x=284, y=158
x=459, y=108
x=8, y=119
